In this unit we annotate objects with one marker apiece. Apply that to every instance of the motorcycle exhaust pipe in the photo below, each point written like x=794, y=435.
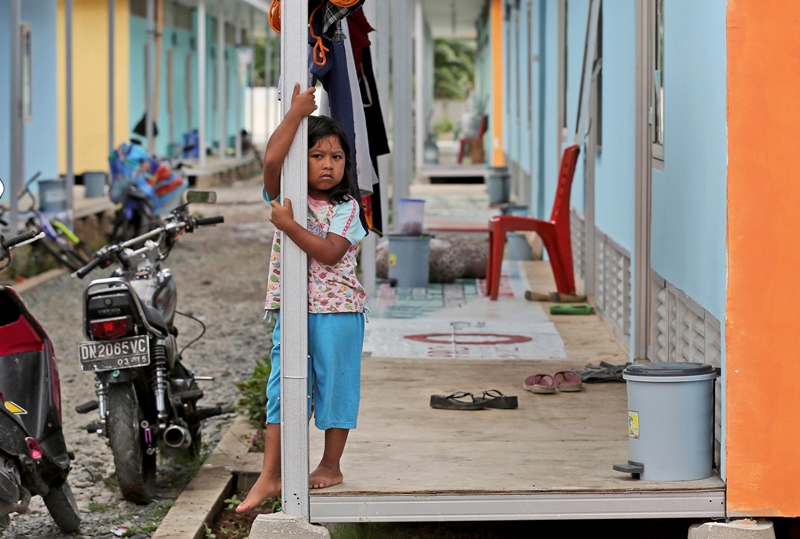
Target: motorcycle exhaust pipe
x=177, y=437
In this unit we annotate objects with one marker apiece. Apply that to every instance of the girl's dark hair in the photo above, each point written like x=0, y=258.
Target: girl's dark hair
x=320, y=127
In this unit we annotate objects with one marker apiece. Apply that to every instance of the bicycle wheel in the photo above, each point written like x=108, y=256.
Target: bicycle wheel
x=57, y=251
x=75, y=246
x=70, y=244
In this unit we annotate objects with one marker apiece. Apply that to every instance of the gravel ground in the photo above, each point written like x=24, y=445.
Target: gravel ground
x=221, y=273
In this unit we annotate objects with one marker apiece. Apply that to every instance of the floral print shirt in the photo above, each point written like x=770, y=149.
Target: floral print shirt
x=331, y=289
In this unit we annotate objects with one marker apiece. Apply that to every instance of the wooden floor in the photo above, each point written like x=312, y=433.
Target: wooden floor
x=550, y=458
x=553, y=443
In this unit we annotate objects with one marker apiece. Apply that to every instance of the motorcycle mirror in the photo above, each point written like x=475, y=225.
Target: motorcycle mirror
x=204, y=197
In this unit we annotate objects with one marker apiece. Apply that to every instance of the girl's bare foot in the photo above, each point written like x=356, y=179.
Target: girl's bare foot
x=267, y=486
x=324, y=477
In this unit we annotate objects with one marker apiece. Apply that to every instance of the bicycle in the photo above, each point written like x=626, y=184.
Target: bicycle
x=59, y=241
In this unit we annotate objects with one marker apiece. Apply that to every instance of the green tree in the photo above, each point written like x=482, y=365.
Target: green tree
x=258, y=58
x=453, y=68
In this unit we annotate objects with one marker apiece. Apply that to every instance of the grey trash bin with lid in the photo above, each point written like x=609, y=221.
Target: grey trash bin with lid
x=409, y=260
x=94, y=184
x=670, y=421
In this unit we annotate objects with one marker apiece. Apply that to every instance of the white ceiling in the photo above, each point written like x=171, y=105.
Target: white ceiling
x=447, y=18
x=453, y=18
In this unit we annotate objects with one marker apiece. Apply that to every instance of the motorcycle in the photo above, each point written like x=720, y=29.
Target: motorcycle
x=146, y=397
x=33, y=454
x=143, y=186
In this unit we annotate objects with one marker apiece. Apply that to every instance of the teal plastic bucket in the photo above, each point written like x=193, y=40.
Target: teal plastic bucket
x=53, y=195
x=518, y=247
x=498, y=185
x=409, y=259
x=94, y=184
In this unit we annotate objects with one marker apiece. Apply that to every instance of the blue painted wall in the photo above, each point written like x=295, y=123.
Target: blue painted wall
x=689, y=196
x=5, y=97
x=615, y=186
x=577, y=17
x=548, y=111
x=41, y=134
x=181, y=47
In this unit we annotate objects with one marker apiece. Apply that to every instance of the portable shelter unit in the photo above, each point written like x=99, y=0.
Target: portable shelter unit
x=28, y=90
x=152, y=68
x=675, y=202
x=662, y=99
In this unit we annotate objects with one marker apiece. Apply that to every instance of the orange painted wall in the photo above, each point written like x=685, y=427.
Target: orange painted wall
x=763, y=323
x=496, y=118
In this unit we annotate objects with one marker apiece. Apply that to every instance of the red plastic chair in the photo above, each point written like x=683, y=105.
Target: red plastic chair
x=474, y=144
x=555, y=233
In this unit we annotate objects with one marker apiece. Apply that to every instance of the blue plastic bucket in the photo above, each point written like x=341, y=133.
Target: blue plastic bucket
x=53, y=195
x=94, y=184
x=498, y=184
x=409, y=259
x=518, y=247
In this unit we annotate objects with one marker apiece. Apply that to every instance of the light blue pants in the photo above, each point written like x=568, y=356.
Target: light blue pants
x=335, y=341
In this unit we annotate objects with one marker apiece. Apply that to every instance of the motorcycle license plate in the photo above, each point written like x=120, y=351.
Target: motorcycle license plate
x=111, y=355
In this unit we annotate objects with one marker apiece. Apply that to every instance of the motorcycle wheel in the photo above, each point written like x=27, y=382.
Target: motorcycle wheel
x=136, y=470
x=63, y=508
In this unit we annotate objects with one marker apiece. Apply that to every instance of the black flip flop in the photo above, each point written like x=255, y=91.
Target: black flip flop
x=496, y=399
x=452, y=402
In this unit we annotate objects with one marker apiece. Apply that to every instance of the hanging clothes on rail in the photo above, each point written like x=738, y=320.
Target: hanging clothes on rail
x=376, y=129
x=366, y=172
x=328, y=64
x=335, y=12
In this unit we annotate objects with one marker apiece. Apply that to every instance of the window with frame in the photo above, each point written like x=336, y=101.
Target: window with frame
x=657, y=105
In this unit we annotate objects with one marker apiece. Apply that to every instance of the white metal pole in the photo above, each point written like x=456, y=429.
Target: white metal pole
x=70, y=179
x=382, y=40
x=222, y=83
x=562, y=70
x=267, y=83
x=643, y=160
x=276, y=61
x=149, y=76
x=590, y=270
x=402, y=54
x=111, y=15
x=582, y=129
x=252, y=72
x=419, y=93
x=238, y=86
x=369, y=245
x=294, y=284
x=17, y=179
x=202, y=58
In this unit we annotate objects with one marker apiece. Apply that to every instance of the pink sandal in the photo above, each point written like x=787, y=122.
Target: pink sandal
x=568, y=381
x=539, y=383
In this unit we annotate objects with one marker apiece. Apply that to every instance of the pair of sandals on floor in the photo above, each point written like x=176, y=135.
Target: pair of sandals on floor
x=462, y=400
x=544, y=384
